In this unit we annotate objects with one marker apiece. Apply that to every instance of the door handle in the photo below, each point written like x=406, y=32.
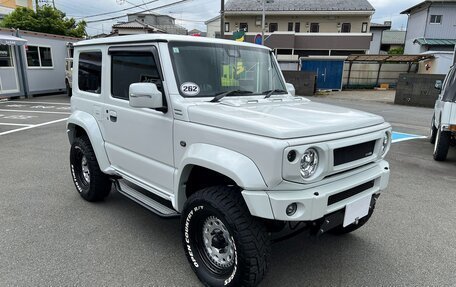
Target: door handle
x=113, y=116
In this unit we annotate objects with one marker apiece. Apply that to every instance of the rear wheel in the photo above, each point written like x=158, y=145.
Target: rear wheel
x=224, y=243
x=69, y=91
x=442, y=145
x=91, y=183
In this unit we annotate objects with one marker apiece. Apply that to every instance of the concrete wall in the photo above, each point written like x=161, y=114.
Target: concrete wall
x=365, y=74
x=17, y=3
x=328, y=24
x=417, y=90
x=304, y=82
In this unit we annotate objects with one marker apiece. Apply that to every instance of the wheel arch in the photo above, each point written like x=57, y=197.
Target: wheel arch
x=82, y=123
x=216, y=164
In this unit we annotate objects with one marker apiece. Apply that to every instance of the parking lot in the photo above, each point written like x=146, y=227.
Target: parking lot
x=49, y=236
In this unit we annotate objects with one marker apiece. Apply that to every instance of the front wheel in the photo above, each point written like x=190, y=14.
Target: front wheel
x=224, y=243
x=91, y=183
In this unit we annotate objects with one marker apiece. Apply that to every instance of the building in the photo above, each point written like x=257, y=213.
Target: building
x=213, y=27
x=392, y=40
x=132, y=28
x=32, y=63
x=196, y=32
x=304, y=28
x=8, y=6
x=431, y=26
x=377, y=35
x=162, y=22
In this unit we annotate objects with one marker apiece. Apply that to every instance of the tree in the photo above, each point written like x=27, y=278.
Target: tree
x=397, y=51
x=45, y=20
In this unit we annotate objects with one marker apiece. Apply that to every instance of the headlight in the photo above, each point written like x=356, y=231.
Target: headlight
x=386, y=143
x=309, y=163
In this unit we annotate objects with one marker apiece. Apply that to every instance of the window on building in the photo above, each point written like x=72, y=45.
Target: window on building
x=33, y=56
x=132, y=67
x=89, y=72
x=273, y=27
x=244, y=26
x=46, y=57
x=364, y=27
x=290, y=27
x=297, y=27
x=227, y=26
x=22, y=3
x=39, y=56
x=346, y=28
x=284, y=51
x=6, y=59
x=436, y=19
x=314, y=27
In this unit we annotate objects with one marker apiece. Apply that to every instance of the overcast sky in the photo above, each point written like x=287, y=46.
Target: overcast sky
x=193, y=13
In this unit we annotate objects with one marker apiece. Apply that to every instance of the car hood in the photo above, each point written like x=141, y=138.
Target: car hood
x=282, y=120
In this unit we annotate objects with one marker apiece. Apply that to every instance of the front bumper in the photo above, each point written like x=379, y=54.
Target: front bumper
x=316, y=202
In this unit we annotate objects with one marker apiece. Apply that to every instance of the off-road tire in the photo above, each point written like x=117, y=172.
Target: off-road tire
x=69, y=90
x=250, y=239
x=433, y=132
x=340, y=230
x=99, y=184
x=442, y=145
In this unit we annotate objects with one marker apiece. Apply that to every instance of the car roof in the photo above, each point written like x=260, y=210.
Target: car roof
x=161, y=38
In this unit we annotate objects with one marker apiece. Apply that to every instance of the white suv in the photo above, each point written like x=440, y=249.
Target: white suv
x=443, y=125
x=208, y=130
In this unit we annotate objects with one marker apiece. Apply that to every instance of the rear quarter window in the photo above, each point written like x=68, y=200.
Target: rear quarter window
x=89, y=72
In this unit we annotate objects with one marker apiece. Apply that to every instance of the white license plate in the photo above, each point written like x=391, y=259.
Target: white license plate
x=357, y=210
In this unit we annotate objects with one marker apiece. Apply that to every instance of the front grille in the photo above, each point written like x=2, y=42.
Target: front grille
x=355, y=152
x=349, y=193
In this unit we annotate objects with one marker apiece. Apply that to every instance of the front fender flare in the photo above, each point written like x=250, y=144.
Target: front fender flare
x=238, y=167
x=89, y=124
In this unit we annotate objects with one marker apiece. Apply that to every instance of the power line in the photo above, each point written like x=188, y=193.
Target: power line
x=147, y=10
x=129, y=8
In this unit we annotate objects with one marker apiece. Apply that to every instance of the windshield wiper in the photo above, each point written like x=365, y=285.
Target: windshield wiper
x=220, y=96
x=270, y=93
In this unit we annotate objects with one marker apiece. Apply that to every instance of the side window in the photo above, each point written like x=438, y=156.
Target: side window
x=89, y=74
x=46, y=57
x=5, y=56
x=132, y=67
x=33, y=58
x=39, y=56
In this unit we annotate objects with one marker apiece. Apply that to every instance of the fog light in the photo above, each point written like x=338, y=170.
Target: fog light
x=291, y=209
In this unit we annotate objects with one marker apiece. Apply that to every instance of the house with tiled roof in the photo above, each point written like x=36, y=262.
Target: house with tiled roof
x=134, y=27
x=304, y=28
x=431, y=27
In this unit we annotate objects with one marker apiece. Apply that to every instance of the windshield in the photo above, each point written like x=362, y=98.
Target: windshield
x=206, y=70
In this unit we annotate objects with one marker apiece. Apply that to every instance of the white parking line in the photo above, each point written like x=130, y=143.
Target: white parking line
x=32, y=127
x=39, y=112
x=16, y=125
x=34, y=103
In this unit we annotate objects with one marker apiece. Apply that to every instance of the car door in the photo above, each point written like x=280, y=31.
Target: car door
x=138, y=141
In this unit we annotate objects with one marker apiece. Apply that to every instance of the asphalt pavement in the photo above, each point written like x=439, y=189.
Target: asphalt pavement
x=49, y=236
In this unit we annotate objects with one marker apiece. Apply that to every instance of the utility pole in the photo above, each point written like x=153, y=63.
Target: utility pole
x=36, y=5
x=222, y=19
x=263, y=22
x=53, y=4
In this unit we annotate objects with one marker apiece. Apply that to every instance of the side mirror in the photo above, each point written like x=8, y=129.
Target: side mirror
x=438, y=85
x=291, y=89
x=145, y=95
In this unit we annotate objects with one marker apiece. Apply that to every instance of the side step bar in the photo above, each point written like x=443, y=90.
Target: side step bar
x=145, y=198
